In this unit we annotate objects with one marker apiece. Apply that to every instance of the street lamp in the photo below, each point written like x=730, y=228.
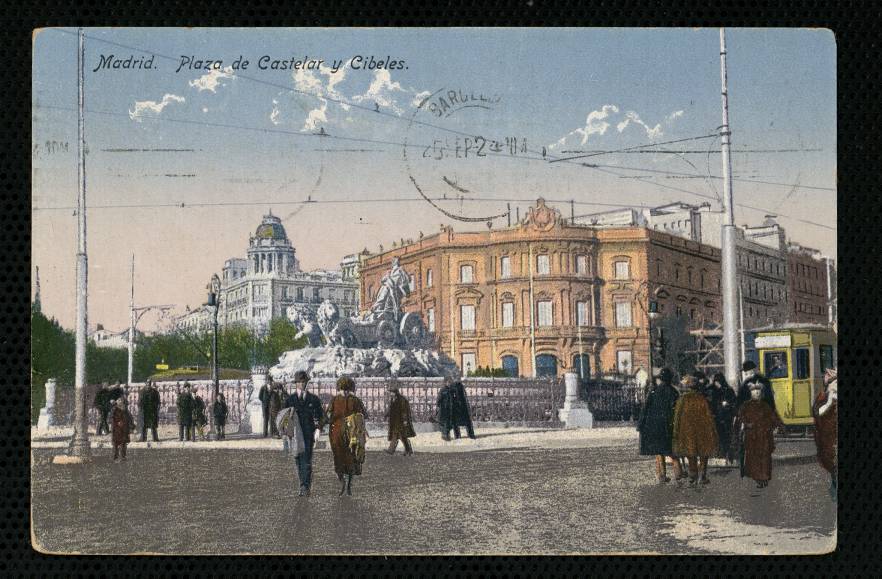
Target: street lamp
x=214, y=302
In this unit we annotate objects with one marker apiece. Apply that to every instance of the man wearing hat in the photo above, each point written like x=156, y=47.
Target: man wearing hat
x=309, y=412
x=400, y=421
x=755, y=424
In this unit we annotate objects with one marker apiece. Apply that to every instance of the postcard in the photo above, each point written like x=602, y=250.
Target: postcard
x=427, y=291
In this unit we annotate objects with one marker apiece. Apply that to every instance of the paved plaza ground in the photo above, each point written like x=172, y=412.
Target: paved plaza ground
x=558, y=492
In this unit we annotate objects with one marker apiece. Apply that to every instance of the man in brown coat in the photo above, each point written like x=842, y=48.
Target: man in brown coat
x=121, y=424
x=695, y=433
x=400, y=422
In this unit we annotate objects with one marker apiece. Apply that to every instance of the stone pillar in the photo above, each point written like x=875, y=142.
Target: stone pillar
x=575, y=413
x=47, y=413
x=254, y=408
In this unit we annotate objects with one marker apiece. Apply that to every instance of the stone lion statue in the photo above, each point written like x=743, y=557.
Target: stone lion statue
x=336, y=329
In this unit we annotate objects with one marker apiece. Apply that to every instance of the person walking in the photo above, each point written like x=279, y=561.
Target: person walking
x=400, y=422
x=219, y=411
x=274, y=405
x=103, y=405
x=722, y=403
x=264, y=397
x=749, y=377
x=121, y=427
x=755, y=424
x=148, y=403
x=311, y=421
x=695, y=434
x=825, y=413
x=656, y=424
x=199, y=418
x=185, y=414
x=346, y=415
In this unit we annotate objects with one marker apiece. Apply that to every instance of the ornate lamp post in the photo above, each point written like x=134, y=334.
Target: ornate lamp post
x=214, y=302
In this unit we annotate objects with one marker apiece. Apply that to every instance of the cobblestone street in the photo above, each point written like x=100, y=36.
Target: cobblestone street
x=532, y=500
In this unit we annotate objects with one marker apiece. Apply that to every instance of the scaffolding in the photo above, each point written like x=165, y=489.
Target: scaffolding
x=708, y=350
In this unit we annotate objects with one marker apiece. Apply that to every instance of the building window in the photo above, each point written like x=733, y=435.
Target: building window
x=316, y=293
x=428, y=278
x=582, y=313
x=582, y=265
x=623, y=314
x=546, y=365
x=430, y=319
x=543, y=264
x=623, y=361
x=546, y=313
x=689, y=276
x=702, y=279
x=466, y=274
x=412, y=280
x=468, y=363
x=510, y=365
x=505, y=266
x=622, y=270
x=467, y=318
x=679, y=311
x=507, y=314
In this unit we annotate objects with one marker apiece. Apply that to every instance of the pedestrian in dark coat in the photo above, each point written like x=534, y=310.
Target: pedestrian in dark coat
x=722, y=401
x=695, y=433
x=347, y=462
x=121, y=427
x=185, y=414
x=312, y=420
x=103, y=405
x=274, y=405
x=400, y=422
x=453, y=411
x=199, y=419
x=148, y=403
x=825, y=412
x=755, y=424
x=445, y=411
x=264, y=397
x=219, y=410
x=657, y=422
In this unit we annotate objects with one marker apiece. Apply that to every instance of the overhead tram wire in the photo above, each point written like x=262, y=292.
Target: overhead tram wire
x=635, y=147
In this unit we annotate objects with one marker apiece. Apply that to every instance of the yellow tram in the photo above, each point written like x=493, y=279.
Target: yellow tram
x=794, y=358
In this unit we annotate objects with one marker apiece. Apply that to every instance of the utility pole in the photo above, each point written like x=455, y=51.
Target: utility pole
x=532, y=314
x=729, y=281
x=131, y=326
x=80, y=447
x=831, y=302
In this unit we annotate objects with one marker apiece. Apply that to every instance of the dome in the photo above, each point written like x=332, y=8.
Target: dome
x=271, y=228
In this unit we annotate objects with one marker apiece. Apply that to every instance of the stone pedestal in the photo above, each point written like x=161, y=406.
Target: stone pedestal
x=252, y=422
x=47, y=413
x=575, y=413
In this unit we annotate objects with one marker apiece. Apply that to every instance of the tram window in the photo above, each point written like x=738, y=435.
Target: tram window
x=776, y=364
x=801, y=364
x=827, y=361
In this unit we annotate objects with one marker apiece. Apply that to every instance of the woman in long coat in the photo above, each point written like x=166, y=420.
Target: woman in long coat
x=120, y=427
x=341, y=406
x=656, y=424
x=825, y=413
x=722, y=401
x=695, y=433
x=400, y=422
x=755, y=425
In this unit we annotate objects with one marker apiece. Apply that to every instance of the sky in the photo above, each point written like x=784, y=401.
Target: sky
x=183, y=159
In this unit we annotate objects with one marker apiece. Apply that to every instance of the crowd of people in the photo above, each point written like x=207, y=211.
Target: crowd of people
x=699, y=419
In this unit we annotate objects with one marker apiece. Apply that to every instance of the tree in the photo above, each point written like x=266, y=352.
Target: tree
x=678, y=343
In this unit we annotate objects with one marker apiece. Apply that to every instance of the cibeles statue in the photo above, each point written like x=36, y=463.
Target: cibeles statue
x=394, y=287
x=386, y=341
x=385, y=325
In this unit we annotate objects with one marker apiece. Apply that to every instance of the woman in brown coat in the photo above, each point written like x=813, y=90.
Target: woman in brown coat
x=120, y=428
x=755, y=425
x=400, y=422
x=825, y=413
x=341, y=406
x=695, y=433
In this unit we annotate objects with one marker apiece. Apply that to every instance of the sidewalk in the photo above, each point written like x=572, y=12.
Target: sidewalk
x=487, y=438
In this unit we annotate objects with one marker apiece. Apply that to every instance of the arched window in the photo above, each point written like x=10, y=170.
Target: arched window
x=510, y=366
x=546, y=365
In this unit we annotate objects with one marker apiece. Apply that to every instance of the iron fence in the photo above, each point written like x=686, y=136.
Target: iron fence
x=613, y=399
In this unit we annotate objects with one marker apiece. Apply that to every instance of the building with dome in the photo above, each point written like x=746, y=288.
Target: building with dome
x=269, y=281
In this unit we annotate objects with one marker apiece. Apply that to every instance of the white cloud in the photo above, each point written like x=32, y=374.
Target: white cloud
x=153, y=107
x=598, y=122
x=385, y=92
x=312, y=83
x=419, y=97
x=212, y=79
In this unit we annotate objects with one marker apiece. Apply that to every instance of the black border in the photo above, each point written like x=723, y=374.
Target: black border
x=859, y=212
